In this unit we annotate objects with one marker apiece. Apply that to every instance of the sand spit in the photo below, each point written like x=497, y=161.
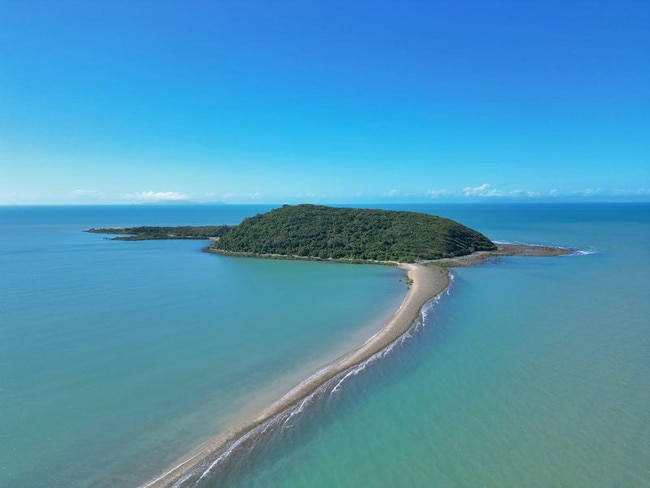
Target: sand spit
x=426, y=282
x=504, y=249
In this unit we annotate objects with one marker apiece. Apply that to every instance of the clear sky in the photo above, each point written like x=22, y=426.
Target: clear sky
x=115, y=101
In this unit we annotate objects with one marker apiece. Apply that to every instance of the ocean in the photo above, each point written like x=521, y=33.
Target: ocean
x=117, y=359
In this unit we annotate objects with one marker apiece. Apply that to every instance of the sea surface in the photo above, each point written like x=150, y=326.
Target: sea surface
x=117, y=359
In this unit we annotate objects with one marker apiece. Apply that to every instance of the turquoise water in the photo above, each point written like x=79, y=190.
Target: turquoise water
x=116, y=358
x=531, y=372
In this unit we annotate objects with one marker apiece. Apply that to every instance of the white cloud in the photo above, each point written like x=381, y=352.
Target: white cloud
x=484, y=190
x=588, y=192
x=158, y=196
x=243, y=196
x=305, y=196
x=391, y=193
x=86, y=194
x=638, y=191
x=523, y=193
x=440, y=193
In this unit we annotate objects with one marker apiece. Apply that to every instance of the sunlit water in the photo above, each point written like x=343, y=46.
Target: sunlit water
x=117, y=358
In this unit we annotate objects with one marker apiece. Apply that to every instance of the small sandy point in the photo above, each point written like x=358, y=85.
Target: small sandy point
x=503, y=250
x=426, y=282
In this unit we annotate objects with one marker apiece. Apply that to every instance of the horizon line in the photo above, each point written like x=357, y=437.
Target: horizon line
x=482, y=201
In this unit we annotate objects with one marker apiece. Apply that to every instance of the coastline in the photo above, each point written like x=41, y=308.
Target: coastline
x=505, y=249
x=425, y=282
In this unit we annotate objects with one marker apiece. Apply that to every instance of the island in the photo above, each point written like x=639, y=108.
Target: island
x=148, y=233
x=423, y=245
x=353, y=235
x=333, y=233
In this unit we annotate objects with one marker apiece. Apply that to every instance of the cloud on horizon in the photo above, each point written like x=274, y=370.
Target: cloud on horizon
x=486, y=190
x=158, y=196
x=86, y=194
x=254, y=196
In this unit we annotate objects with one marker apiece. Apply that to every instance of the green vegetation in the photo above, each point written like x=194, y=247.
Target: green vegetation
x=151, y=233
x=318, y=232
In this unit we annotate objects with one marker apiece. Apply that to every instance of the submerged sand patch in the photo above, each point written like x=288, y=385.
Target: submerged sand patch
x=426, y=282
x=503, y=250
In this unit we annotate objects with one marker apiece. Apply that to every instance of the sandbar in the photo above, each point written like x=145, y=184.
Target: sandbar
x=504, y=250
x=425, y=282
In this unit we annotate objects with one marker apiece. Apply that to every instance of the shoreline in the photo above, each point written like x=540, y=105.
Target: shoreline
x=505, y=249
x=426, y=281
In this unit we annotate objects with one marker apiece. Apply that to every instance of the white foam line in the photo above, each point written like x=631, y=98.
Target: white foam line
x=227, y=453
x=585, y=252
x=180, y=482
x=532, y=244
x=408, y=334
x=353, y=372
x=260, y=429
x=169, y=472
x=298, y=410
x=360, y=367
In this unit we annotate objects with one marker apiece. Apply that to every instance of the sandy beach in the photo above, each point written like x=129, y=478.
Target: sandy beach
x=426, y=282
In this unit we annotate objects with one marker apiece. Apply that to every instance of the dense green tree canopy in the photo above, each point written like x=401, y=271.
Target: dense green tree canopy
x=312, y=231
x=147, y=233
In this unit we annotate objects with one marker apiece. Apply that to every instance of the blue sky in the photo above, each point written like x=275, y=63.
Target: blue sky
x=338, y=101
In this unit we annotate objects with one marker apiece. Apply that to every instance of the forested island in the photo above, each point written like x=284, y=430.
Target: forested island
x=148, y=233
x=321, y=232
x=315, y=231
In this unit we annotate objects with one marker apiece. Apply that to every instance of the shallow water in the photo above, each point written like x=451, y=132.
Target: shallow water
x=116, y=358
x=530, y=372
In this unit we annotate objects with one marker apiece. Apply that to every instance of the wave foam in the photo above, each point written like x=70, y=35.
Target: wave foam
x=586, y=252
x=421, y=321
